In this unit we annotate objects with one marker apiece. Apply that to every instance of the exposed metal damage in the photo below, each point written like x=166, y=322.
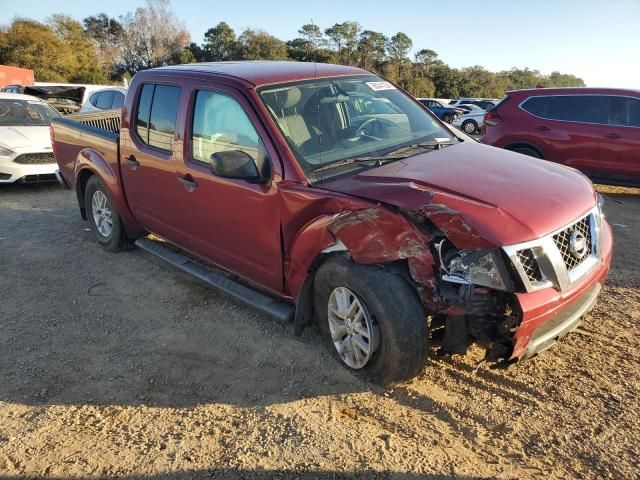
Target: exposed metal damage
x=382, y=236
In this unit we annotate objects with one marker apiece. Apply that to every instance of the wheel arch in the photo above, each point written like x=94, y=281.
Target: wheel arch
x=523, y=144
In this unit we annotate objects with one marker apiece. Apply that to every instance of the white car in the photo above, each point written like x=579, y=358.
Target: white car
x=25, y=142
x=471, y=122
x=104, y=99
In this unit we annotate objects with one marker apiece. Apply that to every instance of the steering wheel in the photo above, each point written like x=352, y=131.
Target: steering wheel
x=360, y=131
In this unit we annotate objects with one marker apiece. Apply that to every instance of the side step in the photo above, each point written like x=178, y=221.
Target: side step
x=254, y=298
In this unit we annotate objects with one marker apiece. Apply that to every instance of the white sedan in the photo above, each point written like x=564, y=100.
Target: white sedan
x=25, y=142
x=471, y=122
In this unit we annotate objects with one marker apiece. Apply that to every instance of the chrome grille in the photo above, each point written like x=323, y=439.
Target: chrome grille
x=35, y=158
x=560, y=258
x=563, y=242
x=530, y=265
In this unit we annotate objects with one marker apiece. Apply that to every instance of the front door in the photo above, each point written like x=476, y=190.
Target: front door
x=233, y=222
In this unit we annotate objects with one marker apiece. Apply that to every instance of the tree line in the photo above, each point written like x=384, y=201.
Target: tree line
x=104, y=49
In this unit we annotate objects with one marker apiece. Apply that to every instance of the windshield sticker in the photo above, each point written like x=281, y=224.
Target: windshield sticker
x=377, y=86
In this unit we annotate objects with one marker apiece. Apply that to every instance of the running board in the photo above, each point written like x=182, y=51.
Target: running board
x=243, y=293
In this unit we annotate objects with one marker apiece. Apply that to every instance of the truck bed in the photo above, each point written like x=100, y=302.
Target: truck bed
x=94, y=136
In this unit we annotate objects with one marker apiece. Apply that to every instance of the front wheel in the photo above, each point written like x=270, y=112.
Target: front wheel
x=372, y=319
x=104, y=220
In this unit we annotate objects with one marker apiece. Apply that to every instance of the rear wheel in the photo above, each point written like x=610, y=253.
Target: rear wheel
x=104, y=220
x=469, y=127
x=372, y=319
x=531, y=152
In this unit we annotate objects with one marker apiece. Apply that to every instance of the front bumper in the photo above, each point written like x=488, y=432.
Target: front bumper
x=11, y=172
x=548, y=315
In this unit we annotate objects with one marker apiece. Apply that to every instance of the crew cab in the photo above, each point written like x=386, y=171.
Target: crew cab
x=383, y=227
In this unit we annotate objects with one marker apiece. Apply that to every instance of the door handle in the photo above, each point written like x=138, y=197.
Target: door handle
x=188, y=182
x=132, y=162
x=542, y=128
x=612, y=135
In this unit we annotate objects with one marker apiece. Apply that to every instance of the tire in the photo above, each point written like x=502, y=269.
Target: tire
x=98, y=203
x=531, y=152
x=396, y=315
x=447, y=118
x=469, y=127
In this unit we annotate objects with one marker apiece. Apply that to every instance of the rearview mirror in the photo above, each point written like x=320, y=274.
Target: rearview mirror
x=235, y=164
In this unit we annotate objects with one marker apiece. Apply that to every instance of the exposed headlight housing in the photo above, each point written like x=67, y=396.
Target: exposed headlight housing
x=479, y=267
x=5, y=152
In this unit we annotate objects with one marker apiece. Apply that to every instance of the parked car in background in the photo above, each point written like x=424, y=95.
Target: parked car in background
x=362, y=224
x=440, y=109
x=595, y=130
x=104, y=99
x=483, y=103
x=469, y=107
x=25, y=143
x=471, y=122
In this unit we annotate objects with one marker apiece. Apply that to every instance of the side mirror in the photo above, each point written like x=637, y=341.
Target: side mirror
x=235, y=164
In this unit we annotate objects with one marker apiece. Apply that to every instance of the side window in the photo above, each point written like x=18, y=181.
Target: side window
x=93, y=99
x=118, y=100
x=157, y=115
x=536, y=106
x=623, y=111
x=104, y=100
x=164, y=114
x=144, y=109
x=220, y=124
x=577, y=108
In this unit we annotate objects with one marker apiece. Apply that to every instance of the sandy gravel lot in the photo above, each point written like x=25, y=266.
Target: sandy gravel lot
x=117, y=366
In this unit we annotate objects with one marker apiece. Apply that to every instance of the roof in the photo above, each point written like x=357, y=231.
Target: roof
x=267, y=72
x=17, y=96
x=578, y=90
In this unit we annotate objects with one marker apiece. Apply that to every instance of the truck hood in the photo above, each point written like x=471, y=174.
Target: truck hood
x=37, y=138
x=478, y=195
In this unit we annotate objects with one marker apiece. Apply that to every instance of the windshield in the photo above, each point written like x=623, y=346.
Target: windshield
x=329, y=121
x=25, y=113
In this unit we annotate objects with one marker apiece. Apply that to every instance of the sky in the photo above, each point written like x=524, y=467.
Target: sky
x=598, y=41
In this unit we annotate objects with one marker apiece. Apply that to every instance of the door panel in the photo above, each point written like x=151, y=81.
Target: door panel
x=566, y=128
x=620, y=144
x=149, y=163
x=231, y=222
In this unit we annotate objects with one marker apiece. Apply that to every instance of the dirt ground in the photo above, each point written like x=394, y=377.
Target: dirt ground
x=118, y=366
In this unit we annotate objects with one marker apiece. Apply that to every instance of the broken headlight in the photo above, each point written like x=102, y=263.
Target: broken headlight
x=479, y=267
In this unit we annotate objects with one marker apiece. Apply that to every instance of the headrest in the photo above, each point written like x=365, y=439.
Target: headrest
x=288, y=98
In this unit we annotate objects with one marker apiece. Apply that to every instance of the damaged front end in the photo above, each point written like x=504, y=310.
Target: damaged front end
x=467, y=291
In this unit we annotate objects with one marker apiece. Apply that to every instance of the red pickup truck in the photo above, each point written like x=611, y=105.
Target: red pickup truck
x=325, y=194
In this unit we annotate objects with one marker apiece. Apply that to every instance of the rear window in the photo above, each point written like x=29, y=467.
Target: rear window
x=157, y=114
x=118, y=100
x=104, y=100
x=568, y=108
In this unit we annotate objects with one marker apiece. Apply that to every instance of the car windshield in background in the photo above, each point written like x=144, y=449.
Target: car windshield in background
x=334, y=120
x=26, y=113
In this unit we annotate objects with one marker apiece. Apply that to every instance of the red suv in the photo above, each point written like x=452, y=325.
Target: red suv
x=595, y=130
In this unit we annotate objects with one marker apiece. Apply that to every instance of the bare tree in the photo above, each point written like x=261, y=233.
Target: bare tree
x=153, y=36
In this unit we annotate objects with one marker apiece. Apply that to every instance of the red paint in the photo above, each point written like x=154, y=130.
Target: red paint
x=537, y=307
x=605, y=152
x=272, y=234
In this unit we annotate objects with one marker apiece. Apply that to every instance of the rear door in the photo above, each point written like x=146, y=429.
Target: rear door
x=149, y=161
x=232, y=222
x=620, y=144
x=567, y=128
